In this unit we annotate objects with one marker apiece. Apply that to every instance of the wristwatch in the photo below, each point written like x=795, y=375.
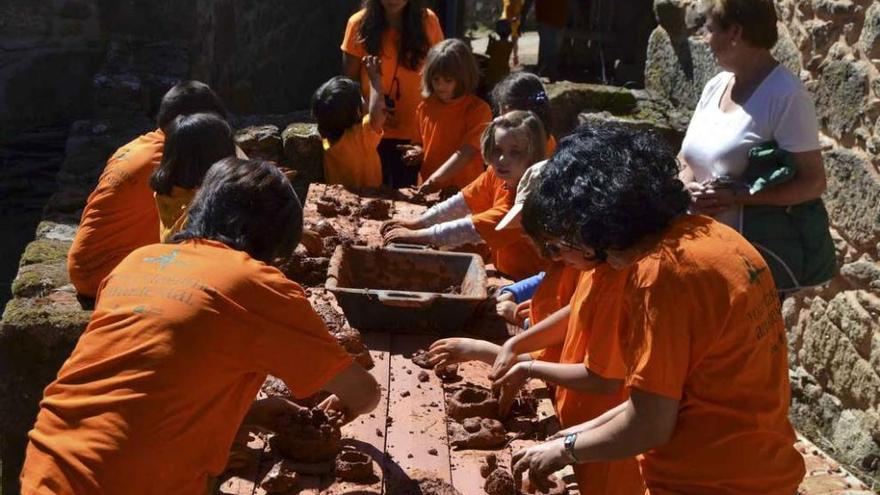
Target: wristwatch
x=569, y=445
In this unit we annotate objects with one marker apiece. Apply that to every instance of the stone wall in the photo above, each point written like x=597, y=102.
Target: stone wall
x=834, y=333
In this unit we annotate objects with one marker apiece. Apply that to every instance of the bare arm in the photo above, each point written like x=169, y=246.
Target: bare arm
x=373, y=65
x=807, y=184
x=573, y=376
x=356, y=390
x=646, y=421
x=351, y=66
x=450, y=167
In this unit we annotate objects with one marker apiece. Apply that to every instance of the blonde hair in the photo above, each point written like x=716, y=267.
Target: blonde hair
x=451, y=58
x=756, y=17
x=522, y=121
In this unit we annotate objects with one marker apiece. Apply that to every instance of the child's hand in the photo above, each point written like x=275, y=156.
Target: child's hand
x=507, y=310
x=399, y=224
x=312, y=242
x=510, y=384
x=428, y=187
x=335, y=410
x=454, y=350
x=406, y=236
x=412, y=154
x=373, y=65
x=504, y=361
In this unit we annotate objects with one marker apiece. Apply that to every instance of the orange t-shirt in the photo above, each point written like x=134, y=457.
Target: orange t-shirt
x=181, y=339
x=353, y=160
x=703, y=326
x=552, y=294
x=407, y=91
x=489, y=200
x=120, y=214
x=591, y=340
x=446, y=127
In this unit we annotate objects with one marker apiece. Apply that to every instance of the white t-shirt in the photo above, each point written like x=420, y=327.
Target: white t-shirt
x=717, y=143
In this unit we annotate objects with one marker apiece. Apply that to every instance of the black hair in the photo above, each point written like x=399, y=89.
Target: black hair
x=186, y=98
x=413, y=39
x=606, y=187
x=192, y=144
x=336, y=106
x=248, y=205
x=523, y=91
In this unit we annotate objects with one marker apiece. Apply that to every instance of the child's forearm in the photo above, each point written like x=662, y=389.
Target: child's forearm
x=451, y=209
x=548, y=333
x=573, y=376
x=455, y=233
x=377, y=103
x=453, y=165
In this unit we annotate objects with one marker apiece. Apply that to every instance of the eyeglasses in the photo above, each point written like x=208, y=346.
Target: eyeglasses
x=554, y=249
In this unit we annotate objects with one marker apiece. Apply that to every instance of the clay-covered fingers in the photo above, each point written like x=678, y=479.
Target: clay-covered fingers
x=335, y=410
x=503, y=362
x=445, y=352
x=389, y=225
x=508, y=386
x=519, y=464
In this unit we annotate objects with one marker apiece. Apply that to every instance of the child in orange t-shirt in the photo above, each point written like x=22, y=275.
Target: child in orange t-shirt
x=510, y=144
x=193, y=144
x=350, y=134
x=181, y=339
x=450, y=119
x=120, y=214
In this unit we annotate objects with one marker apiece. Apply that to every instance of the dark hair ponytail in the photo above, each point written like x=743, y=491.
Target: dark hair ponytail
x=192, y=144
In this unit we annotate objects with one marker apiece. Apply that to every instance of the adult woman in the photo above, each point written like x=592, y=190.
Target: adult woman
x=752, y=101
x=400, y=32
x=697, y=331
x=181, y=339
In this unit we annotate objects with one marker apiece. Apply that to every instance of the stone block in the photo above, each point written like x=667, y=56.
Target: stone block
x=838, y=10
x=44, y=251
x=569, y=99
x=670, y=16
x=863, y=273
x=842, y=95
x=786, y=51
x=820, y=35
x=677, y=71
x=852, y=436
x=834, y=349
x=262, y=142
x=56, y=231
x=671, y=135
x=869, y=41
x=39, y=279
x=853, y=198
x=304, y=151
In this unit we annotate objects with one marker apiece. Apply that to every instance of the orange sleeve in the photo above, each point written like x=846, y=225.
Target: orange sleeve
x=370, y=137
x=486, y=220
x=432, y=28
x=478, y=194
x=350, y=43
x=419, y=137
x=292, y=342
x=655, y=340
x=476, y=121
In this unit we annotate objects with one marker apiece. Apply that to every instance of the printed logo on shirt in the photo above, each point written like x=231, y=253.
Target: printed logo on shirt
x=165, y=260
x=754, y=272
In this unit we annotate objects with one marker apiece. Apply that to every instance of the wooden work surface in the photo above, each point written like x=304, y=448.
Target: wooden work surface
x=406, y=435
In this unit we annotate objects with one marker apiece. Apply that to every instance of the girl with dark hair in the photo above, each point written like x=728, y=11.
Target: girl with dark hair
x=450, y=119
x=182, y=337
x=351, y=135
x=120, y=214
x=525, y=91
x=400, y=32
x=690, y=325
x=510, y=145
x=194, y=143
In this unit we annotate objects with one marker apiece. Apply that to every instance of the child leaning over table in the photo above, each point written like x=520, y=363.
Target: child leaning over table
x=351, y=134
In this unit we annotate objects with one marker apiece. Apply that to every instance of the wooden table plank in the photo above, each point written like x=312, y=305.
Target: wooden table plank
x=417, y=442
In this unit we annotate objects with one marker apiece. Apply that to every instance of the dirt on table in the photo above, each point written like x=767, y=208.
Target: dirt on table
x=355, y=466
x=477, y=433
x=423, y=486
x=375, y=209
x=348, y=337
x=330, y=206
x=306, y=435
x=420, y=359
x=472, y=401
x=304, y=269
x=500, y=482
x=279, y=479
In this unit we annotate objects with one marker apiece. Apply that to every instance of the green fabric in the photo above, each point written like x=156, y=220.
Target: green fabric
x=794, y=240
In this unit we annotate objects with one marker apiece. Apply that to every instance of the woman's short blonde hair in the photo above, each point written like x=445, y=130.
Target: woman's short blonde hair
x=756, y=17
x=451, y=58
x=523, y=121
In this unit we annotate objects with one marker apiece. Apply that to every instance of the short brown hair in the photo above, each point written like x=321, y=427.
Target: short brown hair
x=451, y=58
x=756, y=17
x=523, y=120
